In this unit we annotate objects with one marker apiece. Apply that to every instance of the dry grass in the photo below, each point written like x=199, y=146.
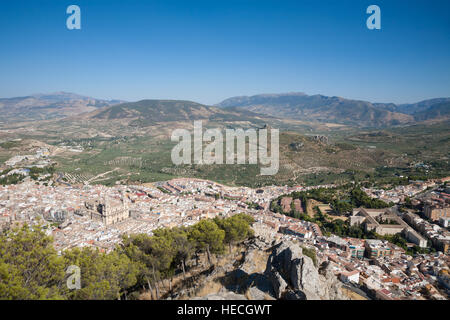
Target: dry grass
x=145, y=296
x=213, y=285
x=209, y=288
x=248, y=295
x=332, y=218
x=310, y=204
x=327, y=210
x=268, y=297
x=260, y=260
x=352, y=295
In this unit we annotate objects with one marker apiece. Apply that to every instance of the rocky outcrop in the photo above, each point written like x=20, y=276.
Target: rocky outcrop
x=330, y=284
x=265, y=237
x=279, y=271
x=278, y=283
x=294, y=275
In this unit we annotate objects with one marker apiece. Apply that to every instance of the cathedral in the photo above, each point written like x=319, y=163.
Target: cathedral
x=108, y=211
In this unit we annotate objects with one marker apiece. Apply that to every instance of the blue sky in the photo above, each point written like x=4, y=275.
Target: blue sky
x=207, y=51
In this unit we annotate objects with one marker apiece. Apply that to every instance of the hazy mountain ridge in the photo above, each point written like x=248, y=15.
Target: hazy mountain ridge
x=438, y=111
x=413, y=108
x=330, y=109
x=49, y=106
x=294, y=106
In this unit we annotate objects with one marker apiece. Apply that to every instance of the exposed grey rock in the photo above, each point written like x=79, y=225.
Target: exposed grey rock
x=257, y=294
x=222, y=296
x=305, y=277
x=331, y=285
x=249, y=265
x=264, y=236
x=294, y=275
x=278, y=283
x=282, y=256
x=289, y=275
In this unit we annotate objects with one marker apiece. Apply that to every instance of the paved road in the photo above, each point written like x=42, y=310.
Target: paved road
x=59, y=180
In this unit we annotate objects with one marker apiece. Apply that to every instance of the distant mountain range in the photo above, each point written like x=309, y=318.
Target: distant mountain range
x=297, y=106
x=423, y=106
x=435, y=111
x=321, y=108
x=49, y=106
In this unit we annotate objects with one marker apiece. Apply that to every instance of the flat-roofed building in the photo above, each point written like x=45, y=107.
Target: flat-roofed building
x=435, y=211
x=377, y=248
x=350, y=276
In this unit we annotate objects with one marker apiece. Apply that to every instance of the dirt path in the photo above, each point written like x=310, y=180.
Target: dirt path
x=101, y=175
x=310, y=204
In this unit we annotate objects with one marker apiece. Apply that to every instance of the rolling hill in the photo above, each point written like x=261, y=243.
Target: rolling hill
x=149, y=112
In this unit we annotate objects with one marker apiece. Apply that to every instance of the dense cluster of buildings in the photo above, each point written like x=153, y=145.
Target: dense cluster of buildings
x=383, y=270
x=437, y=207
x=399, y=193
x=375, y=267
x=437, y=235
x=385, y=222
x=39, y=159
x=98, y=216
x=95, y=215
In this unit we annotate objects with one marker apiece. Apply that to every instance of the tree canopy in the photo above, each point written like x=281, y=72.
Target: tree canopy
x=31, y=269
